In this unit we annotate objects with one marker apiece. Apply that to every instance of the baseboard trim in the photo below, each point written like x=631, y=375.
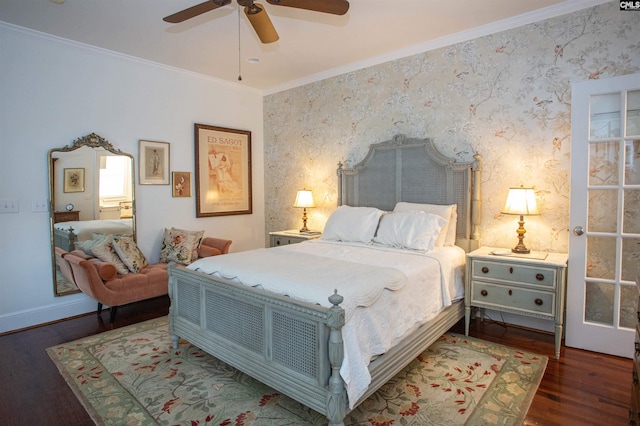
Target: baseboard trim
x=16, y=321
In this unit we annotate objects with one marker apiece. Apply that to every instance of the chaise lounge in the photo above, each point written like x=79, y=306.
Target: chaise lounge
x=100, y=280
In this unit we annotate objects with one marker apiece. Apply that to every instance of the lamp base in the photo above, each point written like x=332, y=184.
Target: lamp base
x=520, y=249
x=304, y=221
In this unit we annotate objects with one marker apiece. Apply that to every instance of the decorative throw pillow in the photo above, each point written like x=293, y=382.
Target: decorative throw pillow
x=107, y=253
x=414, y=230
x=355, y=224
x=130, y=254
x=86, y=245
x=449, y=212
x=180, y=246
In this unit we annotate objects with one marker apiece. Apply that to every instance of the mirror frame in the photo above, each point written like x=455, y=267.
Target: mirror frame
x=91, y=141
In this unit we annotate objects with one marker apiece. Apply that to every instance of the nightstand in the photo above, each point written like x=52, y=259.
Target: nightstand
x=292, y=236
x=66, y=216
x=532, y=285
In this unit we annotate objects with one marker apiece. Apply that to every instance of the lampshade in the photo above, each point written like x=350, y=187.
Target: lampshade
x=304, y=198
x=521, y=201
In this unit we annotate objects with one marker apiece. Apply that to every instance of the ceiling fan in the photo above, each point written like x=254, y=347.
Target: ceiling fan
x=257, y=15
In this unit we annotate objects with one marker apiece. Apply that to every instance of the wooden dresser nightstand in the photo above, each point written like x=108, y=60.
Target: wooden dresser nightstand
x=519, y=284
x=292, y=236
x=66, y=216
x=634, y=411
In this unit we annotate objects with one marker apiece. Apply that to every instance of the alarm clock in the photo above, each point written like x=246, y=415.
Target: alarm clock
x=69, y=207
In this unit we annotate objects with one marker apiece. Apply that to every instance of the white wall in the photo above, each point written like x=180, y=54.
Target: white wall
x=52, y=92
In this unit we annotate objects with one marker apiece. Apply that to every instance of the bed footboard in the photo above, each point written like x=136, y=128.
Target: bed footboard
x=291, y=346
x=65, y=239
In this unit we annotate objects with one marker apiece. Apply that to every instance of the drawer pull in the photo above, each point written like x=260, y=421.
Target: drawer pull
x=484, y=292
x=278, y=242
x=637, y=348
x=485, y=270
x=638, y=314
x=539, y=277
x=511, y=270
x=539, y=302
x=510, y=292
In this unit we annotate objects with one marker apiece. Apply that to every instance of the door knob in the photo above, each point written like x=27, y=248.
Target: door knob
x=578, y=230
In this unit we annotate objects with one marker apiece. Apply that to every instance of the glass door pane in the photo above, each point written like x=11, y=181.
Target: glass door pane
x=605, y=116
x=633, y=114
x=632, y=162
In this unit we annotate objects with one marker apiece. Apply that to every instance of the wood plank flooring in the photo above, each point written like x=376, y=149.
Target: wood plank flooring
x=582, y=388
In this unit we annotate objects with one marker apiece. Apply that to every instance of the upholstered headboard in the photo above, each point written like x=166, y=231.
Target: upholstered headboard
x=413, y=170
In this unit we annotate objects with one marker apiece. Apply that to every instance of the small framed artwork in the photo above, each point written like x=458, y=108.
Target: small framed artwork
x=154, y=163
x=74, y=180
x=223, y=171
x=181, y=184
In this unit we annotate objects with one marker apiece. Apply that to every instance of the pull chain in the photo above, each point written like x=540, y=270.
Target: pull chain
x=239, y=54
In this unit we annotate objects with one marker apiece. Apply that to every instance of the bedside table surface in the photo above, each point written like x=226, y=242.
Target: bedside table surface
x=557, y=259
x=291, y=236
x=296, y=233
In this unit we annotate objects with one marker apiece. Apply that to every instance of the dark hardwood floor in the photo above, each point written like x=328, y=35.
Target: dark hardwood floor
x=582, y=388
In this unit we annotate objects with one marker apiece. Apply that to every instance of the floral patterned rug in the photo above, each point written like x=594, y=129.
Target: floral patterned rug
x=132, y=376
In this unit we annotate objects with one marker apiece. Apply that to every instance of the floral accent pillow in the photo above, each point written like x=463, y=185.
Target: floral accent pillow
x=180, y=246
x=105, y=252
x=130, y=254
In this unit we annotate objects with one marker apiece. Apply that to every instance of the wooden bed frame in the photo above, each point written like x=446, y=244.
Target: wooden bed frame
x=296, y=347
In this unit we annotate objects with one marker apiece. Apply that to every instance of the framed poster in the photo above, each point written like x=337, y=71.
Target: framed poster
x=74, y=180
x=223, y=171
x=154, y=163
x=181, y=184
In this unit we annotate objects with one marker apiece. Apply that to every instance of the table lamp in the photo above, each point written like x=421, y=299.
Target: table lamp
x=304, y=199
x=521, y=201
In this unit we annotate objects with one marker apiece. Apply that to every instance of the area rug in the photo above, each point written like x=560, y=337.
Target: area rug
x=132, y=376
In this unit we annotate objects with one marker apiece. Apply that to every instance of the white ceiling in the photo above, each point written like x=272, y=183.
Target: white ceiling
x=312, y=45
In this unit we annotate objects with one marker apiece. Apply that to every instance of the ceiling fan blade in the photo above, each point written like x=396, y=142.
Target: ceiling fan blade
x=261, y=23
x=335, y=7
x=194, y=11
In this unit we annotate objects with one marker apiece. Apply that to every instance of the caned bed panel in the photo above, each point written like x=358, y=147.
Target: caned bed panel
x=278, y=334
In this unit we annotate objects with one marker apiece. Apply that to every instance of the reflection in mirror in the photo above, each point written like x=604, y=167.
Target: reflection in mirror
x=91, y=191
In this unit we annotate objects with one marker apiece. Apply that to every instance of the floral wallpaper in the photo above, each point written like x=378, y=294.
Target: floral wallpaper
x=506, y=96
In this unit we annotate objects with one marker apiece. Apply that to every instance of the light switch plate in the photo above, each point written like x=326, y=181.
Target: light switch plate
x=9, y=206
x=39, y=206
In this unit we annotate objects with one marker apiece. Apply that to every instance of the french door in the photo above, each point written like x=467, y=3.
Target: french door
x=604, y=245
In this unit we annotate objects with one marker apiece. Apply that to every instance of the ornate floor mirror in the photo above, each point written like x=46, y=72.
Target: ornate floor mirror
x=91, y=191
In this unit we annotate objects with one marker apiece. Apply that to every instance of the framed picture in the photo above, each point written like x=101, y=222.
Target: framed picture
x=223, y=171
x=154, y=163
x=74, y=180
x=181, y=184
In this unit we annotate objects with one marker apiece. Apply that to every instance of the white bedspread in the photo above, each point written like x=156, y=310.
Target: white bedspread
x=85, y=228
x=412, y=286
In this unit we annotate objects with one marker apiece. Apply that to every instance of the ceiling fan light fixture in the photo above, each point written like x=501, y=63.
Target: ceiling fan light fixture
x=261, y=23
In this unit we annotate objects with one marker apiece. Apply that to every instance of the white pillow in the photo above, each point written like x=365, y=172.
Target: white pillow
x=354, y=224
x=415, y=230
x=449, y=212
